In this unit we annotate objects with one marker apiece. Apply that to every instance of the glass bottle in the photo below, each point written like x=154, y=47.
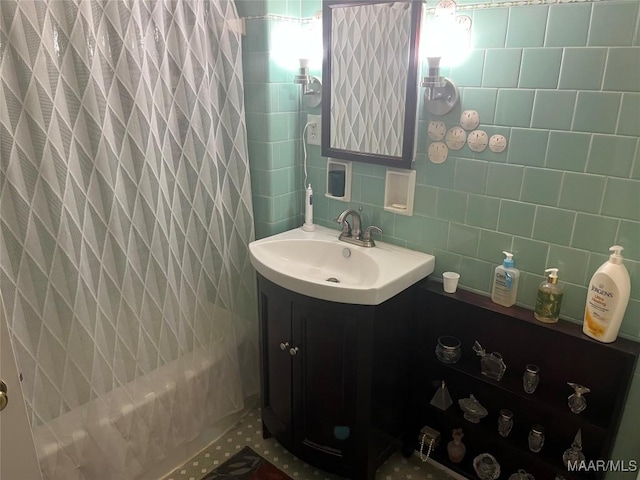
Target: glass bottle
x=505, y=422
x=576, y=401
x=574, y=454
x=549, y=298
x=531, y=378
x=448, y=349
x=491, y=365
x=455, y=448
x=536, y=438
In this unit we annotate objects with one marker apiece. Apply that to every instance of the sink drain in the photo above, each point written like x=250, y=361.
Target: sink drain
x=333, y=280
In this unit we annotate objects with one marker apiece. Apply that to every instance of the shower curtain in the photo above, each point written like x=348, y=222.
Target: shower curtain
x=125, y=215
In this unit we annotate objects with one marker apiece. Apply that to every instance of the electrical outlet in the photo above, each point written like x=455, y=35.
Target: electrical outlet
x=314, y=131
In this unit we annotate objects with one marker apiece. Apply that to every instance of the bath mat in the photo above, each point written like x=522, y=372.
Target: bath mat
x=246, y=465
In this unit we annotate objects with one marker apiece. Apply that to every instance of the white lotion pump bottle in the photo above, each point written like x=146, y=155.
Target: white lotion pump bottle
x=505, y=282
x=607, y=298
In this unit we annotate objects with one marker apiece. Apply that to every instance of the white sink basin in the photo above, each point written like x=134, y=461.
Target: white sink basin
x=310, y=263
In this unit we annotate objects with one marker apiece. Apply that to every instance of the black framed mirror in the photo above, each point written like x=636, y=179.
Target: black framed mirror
x=370, y=80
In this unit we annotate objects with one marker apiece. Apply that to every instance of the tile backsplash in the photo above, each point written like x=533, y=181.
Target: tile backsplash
x=564, y=89
x=562, y=82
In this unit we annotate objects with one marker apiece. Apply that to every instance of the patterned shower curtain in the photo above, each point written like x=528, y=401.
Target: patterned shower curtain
x=125, y=215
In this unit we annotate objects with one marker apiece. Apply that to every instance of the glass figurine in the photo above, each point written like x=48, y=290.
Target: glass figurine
x=574, y=454
x=486, y=467
x=531, y=378
x=536, y=438
x=441, y=399
x=577, y=402
x=455, y=448
x=473, y=410
x=505, y=422
x=448, y=349
x=522, y=475
x=491, y=365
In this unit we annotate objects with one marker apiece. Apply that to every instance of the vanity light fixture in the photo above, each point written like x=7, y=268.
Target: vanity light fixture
x=446, y=36
x=311, y=85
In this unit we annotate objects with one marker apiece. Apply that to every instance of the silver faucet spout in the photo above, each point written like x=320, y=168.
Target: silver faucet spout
x=353, y=234
x=356, y=229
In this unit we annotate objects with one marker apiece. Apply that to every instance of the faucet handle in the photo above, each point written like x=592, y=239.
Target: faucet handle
x=346, y=227
x=367, y=233
x=372, y=228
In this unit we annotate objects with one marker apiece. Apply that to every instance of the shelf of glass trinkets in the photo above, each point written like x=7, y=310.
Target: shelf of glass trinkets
x=547, y=399
x=512, y=451
x=561, y=351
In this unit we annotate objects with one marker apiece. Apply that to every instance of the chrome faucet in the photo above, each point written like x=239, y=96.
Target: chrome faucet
x=353, y=233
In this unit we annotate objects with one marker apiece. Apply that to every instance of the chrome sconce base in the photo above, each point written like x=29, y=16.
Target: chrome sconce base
x=440, y=97
x=312, y=93
x=311, y=88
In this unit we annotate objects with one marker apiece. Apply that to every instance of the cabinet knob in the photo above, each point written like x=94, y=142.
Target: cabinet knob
x=284, y=346
x=294, y=351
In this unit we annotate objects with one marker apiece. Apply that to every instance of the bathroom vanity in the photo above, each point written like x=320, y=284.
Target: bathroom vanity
x=335, y=382
x=562, y=353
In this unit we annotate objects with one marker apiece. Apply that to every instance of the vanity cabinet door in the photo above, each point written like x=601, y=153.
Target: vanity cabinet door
x=324, y=377
x=275, y=357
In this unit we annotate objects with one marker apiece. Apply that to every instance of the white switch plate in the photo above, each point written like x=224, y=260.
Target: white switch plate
x=314, y=131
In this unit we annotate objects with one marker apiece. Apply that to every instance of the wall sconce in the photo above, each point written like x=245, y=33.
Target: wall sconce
x=309, y=46
x=446, y=36
x=311, y=85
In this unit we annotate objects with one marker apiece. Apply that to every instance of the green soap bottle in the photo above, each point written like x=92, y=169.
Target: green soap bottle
x=549, y=298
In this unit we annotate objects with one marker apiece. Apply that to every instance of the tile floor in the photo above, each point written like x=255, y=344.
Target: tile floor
x=248, y=431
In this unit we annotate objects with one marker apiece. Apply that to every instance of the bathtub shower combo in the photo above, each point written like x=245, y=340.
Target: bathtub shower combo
x=125, y=215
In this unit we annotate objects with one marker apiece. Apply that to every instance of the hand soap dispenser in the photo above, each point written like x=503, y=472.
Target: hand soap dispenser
x=549, y=298
x=607, y=298
x=505, y=282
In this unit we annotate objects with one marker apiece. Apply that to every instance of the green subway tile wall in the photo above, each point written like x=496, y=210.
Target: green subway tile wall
x=561, y=82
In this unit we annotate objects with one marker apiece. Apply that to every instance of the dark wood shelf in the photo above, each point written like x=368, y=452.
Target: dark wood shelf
x=563, y=353
x=544, y=398
x=516, y=312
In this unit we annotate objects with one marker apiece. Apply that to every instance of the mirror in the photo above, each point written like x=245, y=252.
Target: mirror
x=369, y=78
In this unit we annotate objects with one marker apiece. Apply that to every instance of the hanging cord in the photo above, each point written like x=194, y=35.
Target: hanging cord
x=422, y=455
x=304, y=149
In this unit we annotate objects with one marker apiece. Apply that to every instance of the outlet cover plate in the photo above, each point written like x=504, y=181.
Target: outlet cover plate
x=314, y=133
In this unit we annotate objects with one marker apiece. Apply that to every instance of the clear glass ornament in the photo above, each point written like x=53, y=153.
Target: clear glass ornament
x=491, y=364
x=574, y=454
x=448, y=349
x=505, y=422
x=441, y=399
x=536, y=438
x=577, y=403
x=531, y=378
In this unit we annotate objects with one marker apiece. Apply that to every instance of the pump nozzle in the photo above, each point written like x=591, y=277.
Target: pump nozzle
x=508, y=261
x=552, y=276
x=616, y=256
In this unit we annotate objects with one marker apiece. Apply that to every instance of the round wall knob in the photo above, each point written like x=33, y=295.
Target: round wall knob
x=294, y=351
x=284, y=346
x=4, y=398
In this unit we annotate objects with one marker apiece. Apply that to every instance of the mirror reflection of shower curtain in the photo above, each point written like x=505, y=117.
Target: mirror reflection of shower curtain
x=125, y=215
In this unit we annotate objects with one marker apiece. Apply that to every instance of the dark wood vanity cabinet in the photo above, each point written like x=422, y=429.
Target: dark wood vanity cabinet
x=334, y=378
x=563, y=354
